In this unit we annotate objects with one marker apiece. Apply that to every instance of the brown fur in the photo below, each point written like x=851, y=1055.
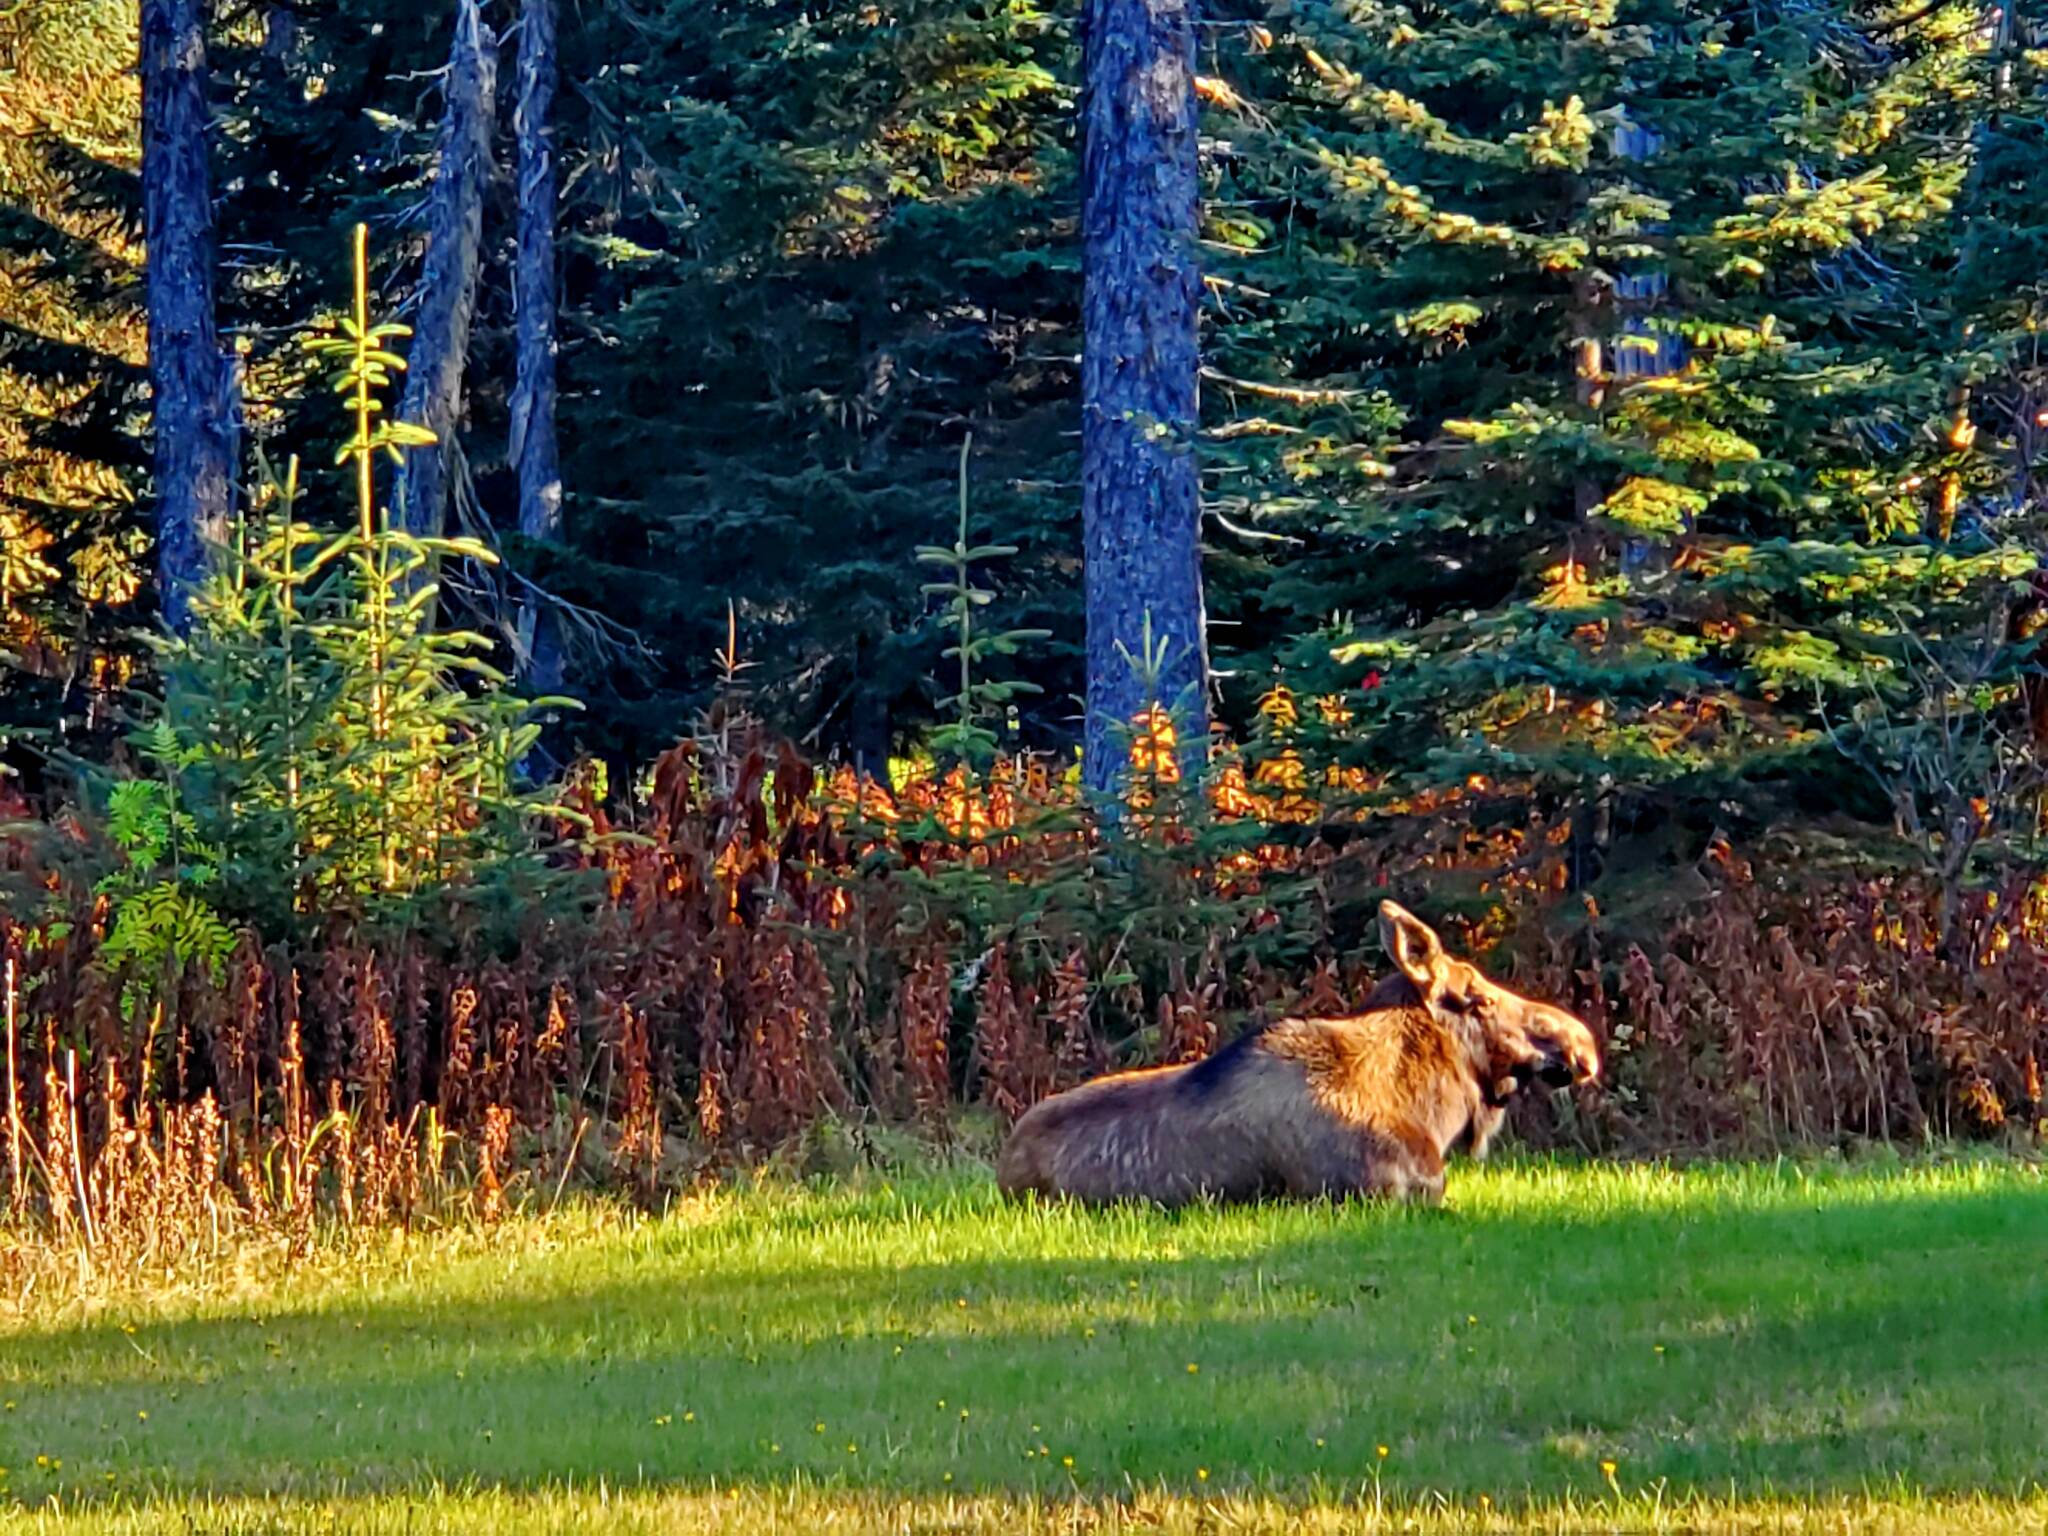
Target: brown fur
x=1364, y=1105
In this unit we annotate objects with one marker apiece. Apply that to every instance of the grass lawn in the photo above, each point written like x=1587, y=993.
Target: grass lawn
x=1574, y=1347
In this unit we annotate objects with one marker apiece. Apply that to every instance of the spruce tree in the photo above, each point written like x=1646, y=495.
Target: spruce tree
x=339, y=754
x=805, y=248
x=1523, y=556
x=73, y=466
x=802, y=248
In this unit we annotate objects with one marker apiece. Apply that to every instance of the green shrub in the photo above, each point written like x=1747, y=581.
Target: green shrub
x=332, y=750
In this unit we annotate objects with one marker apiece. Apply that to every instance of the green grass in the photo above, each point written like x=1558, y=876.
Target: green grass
x=1742, y=1345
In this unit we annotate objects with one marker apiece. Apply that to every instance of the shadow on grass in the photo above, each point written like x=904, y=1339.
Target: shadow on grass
x=1724, y=1348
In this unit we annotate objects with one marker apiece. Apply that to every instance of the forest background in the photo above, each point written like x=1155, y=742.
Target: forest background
x=1615, y=433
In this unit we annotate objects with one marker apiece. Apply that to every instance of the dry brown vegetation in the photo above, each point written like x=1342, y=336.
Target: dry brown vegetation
x=772, y=949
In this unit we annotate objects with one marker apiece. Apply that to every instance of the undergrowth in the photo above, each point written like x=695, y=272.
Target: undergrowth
x=333, y=962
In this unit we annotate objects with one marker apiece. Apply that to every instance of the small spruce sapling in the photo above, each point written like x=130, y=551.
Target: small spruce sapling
x=342, y=754
x=968, y=737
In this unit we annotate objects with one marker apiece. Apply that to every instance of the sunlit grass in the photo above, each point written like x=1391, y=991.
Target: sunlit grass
x=1773, y=1347
x=804, y=1509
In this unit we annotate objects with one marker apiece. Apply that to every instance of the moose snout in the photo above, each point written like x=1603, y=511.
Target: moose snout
x=1562, y=1067
x=1567, y=1053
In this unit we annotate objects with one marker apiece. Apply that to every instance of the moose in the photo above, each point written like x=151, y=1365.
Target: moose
x=1361, y=1106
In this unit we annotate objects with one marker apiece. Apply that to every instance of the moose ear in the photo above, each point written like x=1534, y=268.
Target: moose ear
x=1412, y=944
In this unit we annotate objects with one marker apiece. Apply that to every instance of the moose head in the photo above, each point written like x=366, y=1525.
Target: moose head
x=1512, y=1039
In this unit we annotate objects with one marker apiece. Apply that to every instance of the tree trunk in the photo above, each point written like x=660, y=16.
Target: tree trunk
x=534, y=450
x=454, y=220
x=280, y=37
x=188, y=376
x=1140, y=496
x=869, y=731
x=1639, y=292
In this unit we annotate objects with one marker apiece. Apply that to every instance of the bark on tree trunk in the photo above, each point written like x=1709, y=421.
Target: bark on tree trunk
x=188, y=376
x=868, y=728
x=1638, y=293
x=1607, y=315
x=534, y=449
x=1140, y=495
x=280, y=37
x=455, y=218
